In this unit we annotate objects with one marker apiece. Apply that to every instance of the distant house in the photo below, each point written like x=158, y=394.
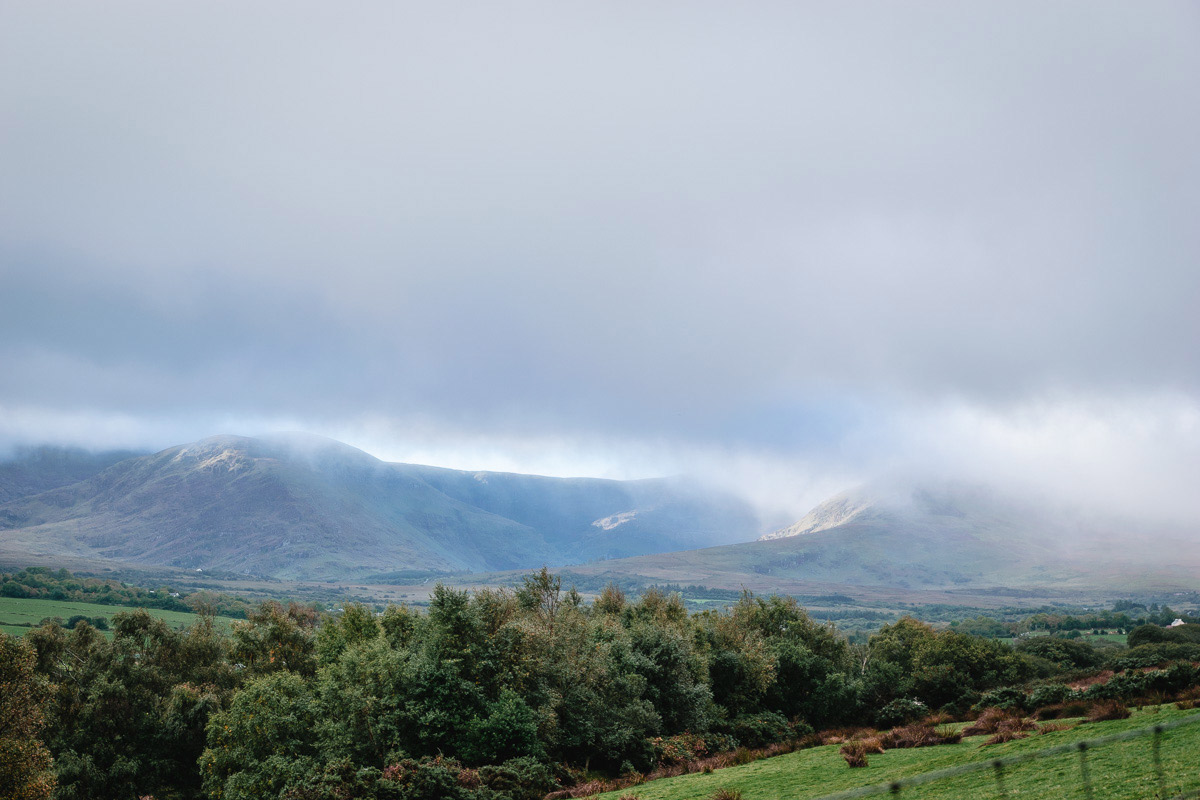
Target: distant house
x=1176, y=623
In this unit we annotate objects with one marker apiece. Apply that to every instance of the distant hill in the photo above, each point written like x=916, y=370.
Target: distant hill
x=305, y=507
x=33, y=470
x=943, y=537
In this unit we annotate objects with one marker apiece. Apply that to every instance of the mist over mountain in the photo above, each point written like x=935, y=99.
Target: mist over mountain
x=938, y=536
x=32, y=470
x=299, y=506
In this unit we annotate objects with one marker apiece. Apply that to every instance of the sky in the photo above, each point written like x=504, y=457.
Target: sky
x=785, y=247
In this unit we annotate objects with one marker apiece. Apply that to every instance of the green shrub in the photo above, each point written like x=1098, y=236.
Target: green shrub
x=519, y=778
x=760, y=730
x=900, y=712
x=690, y=747
x=1008, y=698
x=1049, y=695
x=1155, y=654
x=1122, y=686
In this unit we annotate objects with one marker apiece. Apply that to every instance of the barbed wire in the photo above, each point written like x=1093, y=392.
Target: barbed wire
x=1000, y=765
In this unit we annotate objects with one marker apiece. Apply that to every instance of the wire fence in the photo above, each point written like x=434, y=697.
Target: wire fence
x=1073, y=774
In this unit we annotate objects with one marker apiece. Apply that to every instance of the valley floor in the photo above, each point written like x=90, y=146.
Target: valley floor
x=18, y=615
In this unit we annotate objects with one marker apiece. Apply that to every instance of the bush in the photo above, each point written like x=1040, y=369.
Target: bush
x=1063, y=653
x=1176, y=678
x=760, y=730
x=920, y=736
x=1005, y=734
x=520, y=778
x=423, y=779
x=1156, y=654
x=900, y=712
x=997, y=720
x=1008, y=698
x=1123, y=686
x=1049, y=695
x=1109, y=709
x=690, y=747
x=855, y=752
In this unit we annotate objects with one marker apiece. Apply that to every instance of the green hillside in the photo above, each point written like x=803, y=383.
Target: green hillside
x=1118, y=771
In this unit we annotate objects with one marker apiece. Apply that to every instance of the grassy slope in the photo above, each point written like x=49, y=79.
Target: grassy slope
x=20, y=610
x=1120, y=771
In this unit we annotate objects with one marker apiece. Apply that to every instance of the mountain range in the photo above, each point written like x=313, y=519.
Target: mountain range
x=302, y=507
x=307, y=508
x=941, y=536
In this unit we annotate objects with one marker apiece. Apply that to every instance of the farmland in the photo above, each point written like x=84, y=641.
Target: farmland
x=18, y=614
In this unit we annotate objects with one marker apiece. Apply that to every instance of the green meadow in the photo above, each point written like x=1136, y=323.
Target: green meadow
x=1118, y=771
x=17, y=613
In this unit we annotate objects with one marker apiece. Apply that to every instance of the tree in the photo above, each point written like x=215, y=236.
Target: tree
x=26, y=769
x=265, y=740
x=275, y=638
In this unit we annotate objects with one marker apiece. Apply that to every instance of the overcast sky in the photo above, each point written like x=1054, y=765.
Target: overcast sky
x=785, y=245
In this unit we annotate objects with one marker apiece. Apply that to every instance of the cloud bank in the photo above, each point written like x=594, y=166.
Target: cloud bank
x=790, y=245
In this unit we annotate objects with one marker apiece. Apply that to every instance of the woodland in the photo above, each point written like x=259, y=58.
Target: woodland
x=499, y=693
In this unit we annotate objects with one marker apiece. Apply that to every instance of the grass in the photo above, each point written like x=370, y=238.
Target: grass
x=1119, y=638
x=17, y=610
x=1119, y=771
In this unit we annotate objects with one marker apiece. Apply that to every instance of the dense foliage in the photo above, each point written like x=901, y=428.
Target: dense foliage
x=25, y=766
x=490, y=694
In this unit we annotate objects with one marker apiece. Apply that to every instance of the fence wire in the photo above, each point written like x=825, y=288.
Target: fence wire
x=1000, y=767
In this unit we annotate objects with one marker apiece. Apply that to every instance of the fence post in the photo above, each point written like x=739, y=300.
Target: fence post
x=998, y=766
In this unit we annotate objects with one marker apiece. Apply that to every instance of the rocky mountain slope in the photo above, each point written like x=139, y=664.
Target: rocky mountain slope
x=305, y=507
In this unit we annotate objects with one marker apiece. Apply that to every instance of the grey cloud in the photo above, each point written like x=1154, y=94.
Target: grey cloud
x=762, y=227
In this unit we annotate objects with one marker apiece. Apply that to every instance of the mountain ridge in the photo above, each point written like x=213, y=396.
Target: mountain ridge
x=301, y=506
x=932, y=537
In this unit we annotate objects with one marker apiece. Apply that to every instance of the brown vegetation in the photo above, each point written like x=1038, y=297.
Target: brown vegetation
x=1075, y=708
x=726, y=794
x=920, y=735
x=841, y=735
x=729, y=758
x=1108, y=709
x=855, y=752
x=995, y=720
x=1189, y=699
x=1005, y=734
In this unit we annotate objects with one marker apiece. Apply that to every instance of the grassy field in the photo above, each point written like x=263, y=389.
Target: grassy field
x=1119, y=771
x=1090, y=638
x=16, y=610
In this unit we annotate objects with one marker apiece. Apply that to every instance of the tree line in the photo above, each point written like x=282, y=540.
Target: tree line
x=493, y=694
